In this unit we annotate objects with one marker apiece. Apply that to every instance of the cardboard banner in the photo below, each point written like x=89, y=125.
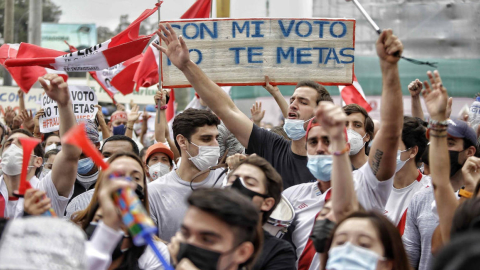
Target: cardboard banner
x=242, y=51
x=83, y=101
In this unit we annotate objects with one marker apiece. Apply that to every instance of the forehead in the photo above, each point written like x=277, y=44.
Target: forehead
x=317, y=132
x=125, y=164
x=14, y=137
x=305, y=92
x=158, y=155
x=206, y=130
x=114, y=146
x=356, y=117
x=198, y=221
x=54, y=138
x=358, y=226
x=251, y=171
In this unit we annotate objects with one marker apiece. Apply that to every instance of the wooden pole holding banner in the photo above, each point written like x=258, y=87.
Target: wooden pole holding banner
x=223, y=8
x=159, y=68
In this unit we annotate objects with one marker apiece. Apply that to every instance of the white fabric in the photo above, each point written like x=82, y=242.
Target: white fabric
x=307, y=200
x=168, y=200
x=14, y=209
x=104, y=240
x=400, y=199
x=434, y=204
x=371, y=193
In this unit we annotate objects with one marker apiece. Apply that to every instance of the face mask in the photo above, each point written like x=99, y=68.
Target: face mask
x=349, y=256
x=294, y=128
x=45, y=171
x=454, y=165
x=400, y=163
x=207, y=157
x=202, y=258
x=12, y=159
x=320, y=166
x=117, y=252
x=240, y=186
x=158, y=170
x=85, y=165
x=356, y=141
x=119, y=130
x=320, y=233
x=51, y=147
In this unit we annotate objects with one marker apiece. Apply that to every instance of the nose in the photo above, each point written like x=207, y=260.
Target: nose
x=321, y=148
x=294, y=106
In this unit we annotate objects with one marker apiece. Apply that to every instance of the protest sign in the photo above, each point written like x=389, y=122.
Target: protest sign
x=83, y=101
x=242, y=51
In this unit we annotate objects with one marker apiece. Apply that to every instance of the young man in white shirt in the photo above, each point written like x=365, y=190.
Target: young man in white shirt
x=195, y=132
x=408, y=179
x=373, y=181
x=58, y=184
x=360, y=129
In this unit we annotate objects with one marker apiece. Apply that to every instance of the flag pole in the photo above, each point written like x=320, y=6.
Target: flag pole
x=160, y=86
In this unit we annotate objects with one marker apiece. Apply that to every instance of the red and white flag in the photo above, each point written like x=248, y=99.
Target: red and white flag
x=147, y=71
x=25, y=77
x=354, y=94
x=120, y=48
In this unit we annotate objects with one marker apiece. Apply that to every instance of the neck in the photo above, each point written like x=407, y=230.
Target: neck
x=406, y=176
x=12, y=182
x=187, y=171
x=323, y=186
x=457, y=180
x=359, y=159
x=299, y=147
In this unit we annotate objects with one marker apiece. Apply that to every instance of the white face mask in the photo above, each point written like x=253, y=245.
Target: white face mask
x=51, y=147
x=356, y=141
x=45, y=171
x=12, y=159
x=400, y=163
x=158, y=170
x=206, y=158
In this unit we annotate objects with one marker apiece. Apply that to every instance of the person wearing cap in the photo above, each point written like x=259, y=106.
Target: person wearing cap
x=58, y=184
x=158, y=160
x=452, y=143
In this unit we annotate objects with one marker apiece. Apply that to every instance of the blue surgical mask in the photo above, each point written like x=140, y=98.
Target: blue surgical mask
x=84, y=166
x=294, y=128
x=352, y=257
x=119, y=130
x=400, y=163
x=320, y=166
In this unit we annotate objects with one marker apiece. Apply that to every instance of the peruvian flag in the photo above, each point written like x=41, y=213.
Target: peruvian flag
x=354, y=94
x=26, y=77
x=125, y=45
x=147, y=72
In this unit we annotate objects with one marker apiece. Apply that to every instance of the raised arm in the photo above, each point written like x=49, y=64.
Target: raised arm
x=144, y=129
x=415, y=88
x=101, y=122
x=436, y=99
x=383, y=154
x=160, y=118
x=131, y=118
x=344, y=198
x=21, y=100
x=277, y=95
x=36, y=120
x=64, y=171
x=215, y=98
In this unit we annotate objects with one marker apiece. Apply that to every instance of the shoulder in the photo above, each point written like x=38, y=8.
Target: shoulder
x=149, y=260
x=161, y=182
x=277, y=243
x=297, y=191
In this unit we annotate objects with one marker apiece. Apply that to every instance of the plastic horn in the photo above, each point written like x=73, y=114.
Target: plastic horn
x=78, y=137
x=28, y=144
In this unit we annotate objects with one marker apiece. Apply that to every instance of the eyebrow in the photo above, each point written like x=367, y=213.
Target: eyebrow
x=360, y=235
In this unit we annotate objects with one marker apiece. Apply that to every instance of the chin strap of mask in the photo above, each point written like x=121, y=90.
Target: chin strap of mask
x=221, y=164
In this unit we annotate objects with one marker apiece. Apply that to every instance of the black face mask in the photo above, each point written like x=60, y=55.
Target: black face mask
x=320, y=233
x=202, y=258
x=454, y=165
x=239, y=186
x=117, y=252
x=140, y=193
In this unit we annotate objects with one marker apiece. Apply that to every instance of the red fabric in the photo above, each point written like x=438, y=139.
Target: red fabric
x=171, y=106
x=125, y=51
x=110, y=94
x=402, y=222
x=147, y=71
x=420, y=175
x=309, y=252
x=131, y=32
x=2, y=206
x=123, y=81
x=351, y=95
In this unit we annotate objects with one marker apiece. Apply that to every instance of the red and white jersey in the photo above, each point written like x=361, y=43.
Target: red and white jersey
x=307, y=201
x=397, y=204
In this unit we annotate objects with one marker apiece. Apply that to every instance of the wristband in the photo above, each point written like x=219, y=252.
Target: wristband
x=465, y=194
x=164, y=107
x=131, y=128
x=345, y=150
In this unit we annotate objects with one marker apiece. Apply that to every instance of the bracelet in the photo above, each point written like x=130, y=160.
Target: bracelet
x=164, y=107
x=131, y=128
x=465, y=194
x=345, y=150
x=438, y=123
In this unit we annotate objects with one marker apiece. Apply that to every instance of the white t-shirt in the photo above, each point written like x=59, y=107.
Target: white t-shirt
x=14, y=208
x=307, y=201
x=399, y=200
x=168, y=200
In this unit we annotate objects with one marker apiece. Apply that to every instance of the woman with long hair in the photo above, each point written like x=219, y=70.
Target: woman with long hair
x=100, y=218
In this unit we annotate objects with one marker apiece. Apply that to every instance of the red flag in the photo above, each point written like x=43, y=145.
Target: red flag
x=147, y=71
x=26, y=77
x=123, y=81
x=171, y=106
x=354, y=94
